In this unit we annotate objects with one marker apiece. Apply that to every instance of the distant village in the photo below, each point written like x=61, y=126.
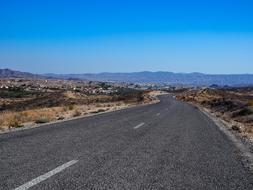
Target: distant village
x=83, y=86
x=45, y=85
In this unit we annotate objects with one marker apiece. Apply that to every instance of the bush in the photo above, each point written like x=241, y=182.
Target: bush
x=15, y=122
x=127, y=94
x=71, y=107
x=243, y=112
x=42, y=120
x=77, y=113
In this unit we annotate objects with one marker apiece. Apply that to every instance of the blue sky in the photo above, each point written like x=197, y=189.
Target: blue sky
x=209, y=36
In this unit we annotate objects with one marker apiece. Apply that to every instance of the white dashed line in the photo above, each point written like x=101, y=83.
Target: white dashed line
x=138, y=126
x=46, y=175
x=158, y=114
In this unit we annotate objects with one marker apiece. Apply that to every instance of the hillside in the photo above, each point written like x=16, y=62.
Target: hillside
x=8, y=73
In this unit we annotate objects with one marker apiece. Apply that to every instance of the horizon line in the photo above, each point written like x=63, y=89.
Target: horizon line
x=129, y=72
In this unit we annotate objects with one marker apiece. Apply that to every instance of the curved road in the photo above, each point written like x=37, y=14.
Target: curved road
x=169, y=145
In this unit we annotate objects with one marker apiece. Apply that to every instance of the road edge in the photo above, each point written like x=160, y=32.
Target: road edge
x=244, y=145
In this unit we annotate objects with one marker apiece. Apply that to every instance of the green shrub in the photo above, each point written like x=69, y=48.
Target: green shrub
x=245, y=111
x=71, y=107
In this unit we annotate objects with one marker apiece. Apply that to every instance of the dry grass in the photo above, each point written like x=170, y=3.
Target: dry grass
x=12, y=119
x=16, y=119
x=57, y=108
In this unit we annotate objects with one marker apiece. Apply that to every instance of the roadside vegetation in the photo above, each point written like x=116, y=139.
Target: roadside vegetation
x=19, y=107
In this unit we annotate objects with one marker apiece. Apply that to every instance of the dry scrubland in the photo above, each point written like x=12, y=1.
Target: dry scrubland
x=20, y=108
x=234, y=106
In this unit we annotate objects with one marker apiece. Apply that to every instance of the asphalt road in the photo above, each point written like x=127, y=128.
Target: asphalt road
x=169, y=145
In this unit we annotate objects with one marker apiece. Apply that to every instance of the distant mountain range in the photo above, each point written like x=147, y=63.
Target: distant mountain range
x=191, y=79
x=7, y=73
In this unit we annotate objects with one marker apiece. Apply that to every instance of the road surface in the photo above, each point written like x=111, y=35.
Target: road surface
x=169, y=145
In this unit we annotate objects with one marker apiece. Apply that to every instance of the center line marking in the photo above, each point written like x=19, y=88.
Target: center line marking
x=46, y=175
x=157, y=114
x=138, y=126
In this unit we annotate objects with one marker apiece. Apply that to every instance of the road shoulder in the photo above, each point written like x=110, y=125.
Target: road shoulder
x=243, y=144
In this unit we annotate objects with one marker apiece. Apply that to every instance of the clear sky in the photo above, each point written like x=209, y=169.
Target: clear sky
x=82, y=36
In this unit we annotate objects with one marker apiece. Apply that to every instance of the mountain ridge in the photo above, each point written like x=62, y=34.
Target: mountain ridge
x=5, y=73
x=191, y=79
x=146, y=77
